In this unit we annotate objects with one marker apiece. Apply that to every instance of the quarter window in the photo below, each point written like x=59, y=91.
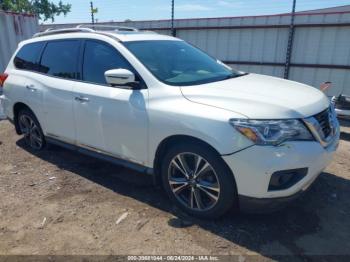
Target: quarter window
x=60, y=59
x=27, y=57
x=98, y=58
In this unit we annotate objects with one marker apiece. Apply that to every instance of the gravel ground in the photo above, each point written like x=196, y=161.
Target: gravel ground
x=60, y=202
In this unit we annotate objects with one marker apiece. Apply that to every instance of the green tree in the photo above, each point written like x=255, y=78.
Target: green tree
x=44, y=9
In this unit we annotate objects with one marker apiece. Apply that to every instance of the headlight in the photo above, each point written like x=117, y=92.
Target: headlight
x=271, y=132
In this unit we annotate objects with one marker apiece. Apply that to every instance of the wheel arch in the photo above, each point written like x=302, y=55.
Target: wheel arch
x=170, y=141
x=16, y=109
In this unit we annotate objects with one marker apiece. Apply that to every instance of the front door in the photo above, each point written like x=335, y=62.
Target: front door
x=111, y=120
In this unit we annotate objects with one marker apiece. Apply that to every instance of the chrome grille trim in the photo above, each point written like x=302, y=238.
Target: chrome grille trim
x=323, y=126
x=324, y=121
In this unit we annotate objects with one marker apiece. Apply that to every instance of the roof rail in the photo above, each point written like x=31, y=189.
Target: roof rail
x=62, y=31
x=114, y=27
x=86, y=28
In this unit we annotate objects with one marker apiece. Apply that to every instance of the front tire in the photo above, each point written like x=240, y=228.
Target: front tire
x=29, y=126
x=198, y=181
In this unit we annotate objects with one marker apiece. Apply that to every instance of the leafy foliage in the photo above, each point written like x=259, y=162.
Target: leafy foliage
x=44, y=9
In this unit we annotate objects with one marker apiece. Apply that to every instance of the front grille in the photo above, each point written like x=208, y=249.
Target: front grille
x=324, y=126
x=323, y=120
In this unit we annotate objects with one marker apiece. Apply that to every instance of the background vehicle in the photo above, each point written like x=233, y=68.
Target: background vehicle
x=342, y=105
x=214, y=137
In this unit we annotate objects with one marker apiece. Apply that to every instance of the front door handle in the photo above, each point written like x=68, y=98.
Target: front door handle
x=31, y=88
x=81, y=99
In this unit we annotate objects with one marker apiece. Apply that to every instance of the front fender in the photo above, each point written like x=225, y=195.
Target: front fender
x=171, y=117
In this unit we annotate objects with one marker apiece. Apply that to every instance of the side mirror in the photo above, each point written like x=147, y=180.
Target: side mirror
x=120, y=77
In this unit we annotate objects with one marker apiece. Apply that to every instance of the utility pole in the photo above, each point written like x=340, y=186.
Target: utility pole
x=290, y=42
x=92, y=12
x=173, y=32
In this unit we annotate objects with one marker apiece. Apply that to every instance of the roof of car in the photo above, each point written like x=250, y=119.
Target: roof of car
x=122, y=34
x=125, y=36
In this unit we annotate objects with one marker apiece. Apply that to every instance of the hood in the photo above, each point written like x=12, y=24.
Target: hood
x=260, y=97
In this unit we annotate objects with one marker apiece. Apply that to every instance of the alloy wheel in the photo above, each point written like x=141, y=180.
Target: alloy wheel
x=193, y=181
x=31, y=131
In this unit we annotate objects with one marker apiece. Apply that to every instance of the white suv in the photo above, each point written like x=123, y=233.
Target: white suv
x=214, y=137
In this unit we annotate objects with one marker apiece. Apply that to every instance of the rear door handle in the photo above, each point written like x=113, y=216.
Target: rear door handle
x=81, y=99
x=31, y=88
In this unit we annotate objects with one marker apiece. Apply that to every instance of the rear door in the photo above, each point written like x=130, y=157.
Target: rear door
x=21, y=84
x=59, y=68
x=112, y=120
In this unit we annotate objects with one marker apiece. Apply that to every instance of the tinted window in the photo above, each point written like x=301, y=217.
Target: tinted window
x=27, y=56
x=60, y=59
x=100, y=57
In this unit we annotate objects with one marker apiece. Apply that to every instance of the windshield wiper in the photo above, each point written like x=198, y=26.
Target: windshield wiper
x=243, y=74
x=235, y=75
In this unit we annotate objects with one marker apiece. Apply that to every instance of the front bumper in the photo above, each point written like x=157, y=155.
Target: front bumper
x=2, y=111
x=254, y=166
x=266, y=205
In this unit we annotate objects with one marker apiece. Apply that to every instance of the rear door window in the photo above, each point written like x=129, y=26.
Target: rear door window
x=60, y=59
x=27, y=57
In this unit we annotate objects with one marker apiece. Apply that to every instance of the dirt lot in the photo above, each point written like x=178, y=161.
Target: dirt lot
x=61, y=202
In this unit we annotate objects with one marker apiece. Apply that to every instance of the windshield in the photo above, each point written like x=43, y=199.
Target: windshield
x=179, y=63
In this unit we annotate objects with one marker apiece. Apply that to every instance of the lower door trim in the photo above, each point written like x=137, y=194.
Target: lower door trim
x=87, y=150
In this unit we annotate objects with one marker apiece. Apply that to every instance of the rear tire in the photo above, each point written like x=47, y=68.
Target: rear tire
x=30, y=127
x=198, y=181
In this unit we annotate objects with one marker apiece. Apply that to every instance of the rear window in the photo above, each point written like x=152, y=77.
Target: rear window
x=60, y=59
x=27, y=57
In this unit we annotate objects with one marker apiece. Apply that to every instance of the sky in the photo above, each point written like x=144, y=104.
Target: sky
x=120, y=10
